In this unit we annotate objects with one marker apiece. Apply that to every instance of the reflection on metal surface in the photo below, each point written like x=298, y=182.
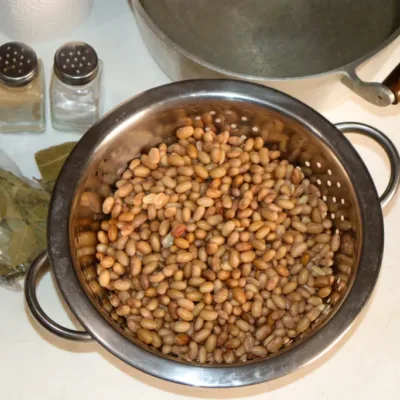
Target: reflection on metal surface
x=276, y=39
x=303, y=48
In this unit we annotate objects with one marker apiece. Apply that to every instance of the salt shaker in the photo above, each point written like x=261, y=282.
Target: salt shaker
x=22, y=100
x=76, y=87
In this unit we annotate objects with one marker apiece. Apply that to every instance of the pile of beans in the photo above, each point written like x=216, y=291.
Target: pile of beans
x=216, y=249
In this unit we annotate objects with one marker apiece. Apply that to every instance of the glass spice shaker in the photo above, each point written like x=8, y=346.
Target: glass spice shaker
x=22, y=107
x=76, y=87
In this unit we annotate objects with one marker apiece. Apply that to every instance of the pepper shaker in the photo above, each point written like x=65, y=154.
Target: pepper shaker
x=22, y=100
x=76, y=87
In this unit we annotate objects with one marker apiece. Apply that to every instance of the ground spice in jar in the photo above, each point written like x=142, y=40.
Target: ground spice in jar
x=21, y=89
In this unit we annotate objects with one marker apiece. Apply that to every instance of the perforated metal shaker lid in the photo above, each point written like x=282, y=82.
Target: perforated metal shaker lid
x=76, y=63
x=18, y=64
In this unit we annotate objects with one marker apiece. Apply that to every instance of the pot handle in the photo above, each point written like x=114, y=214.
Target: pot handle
x=379, y=94
x=37, y=311
x=388, y=147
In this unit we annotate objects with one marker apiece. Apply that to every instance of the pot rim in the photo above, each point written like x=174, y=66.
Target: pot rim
x=351, y=66
x=215, y=376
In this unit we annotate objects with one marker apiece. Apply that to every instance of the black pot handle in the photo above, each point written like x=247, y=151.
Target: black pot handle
x=36, y=309
x=374, y=92
x=388, y=147
x=380, y=94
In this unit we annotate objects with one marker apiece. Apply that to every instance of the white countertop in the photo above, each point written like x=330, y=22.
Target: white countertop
x=36, y=365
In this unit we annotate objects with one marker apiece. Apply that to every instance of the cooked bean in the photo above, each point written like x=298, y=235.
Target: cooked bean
x=247, y=256
x=206, y=287
x=205, y=201
x=324, y=292
x=233, y=343
x=275, y=344
x=181, y=243
x=285, y=204
x=262, y=232
x=143, y=247
x=211, y=343
x=148, y=324
x=175, y=294
x=181, y=326
x=176, y=160
x=279, y=301
x=201, y=335
x=186, y=304
x=239, y=295
x=185, y=132
x=124, y=190
x=269, y=255
x=298, y=249
x=122, y=285
x=243, y=325
x=104, y=278
x=136, y=266
x=122, y=258
x=218, y=172
x=303, y=325
x=202, y=355
x=256, y=309
x=144, y=335
x=221, y=296
x=107, y=262
x=321, y=281
x=259, y=351
x=313, y=314
x=263, y=332
x=193, y=351
x=200, y=171
x=194, y=296
x=185, y=314
x=184, y=257
x=315, y=228
x=289, y=287
x=183, y=187
x=228, y=228
x=208, y=315
x=288, y=322
x=303, y=276
x=168, y=182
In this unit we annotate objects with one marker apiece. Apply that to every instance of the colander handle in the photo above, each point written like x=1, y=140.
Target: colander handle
x=37, y=311
x=388, y=147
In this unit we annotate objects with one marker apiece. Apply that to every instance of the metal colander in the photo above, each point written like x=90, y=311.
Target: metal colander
x=304, y=137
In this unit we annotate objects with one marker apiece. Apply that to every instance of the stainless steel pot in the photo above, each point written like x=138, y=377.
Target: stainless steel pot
x=303, y=48
x=313, y=143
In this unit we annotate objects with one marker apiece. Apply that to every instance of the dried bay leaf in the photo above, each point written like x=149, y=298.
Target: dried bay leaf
x=23, y=246
x=8, y=178
x=5, y=237
x=8, y=209
x=23, y=212
x=21, y=205
x=40, y=229
x=3, y=204
x=15, y=224
x=50, y=162
x=47, y=186
x=32, y=203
